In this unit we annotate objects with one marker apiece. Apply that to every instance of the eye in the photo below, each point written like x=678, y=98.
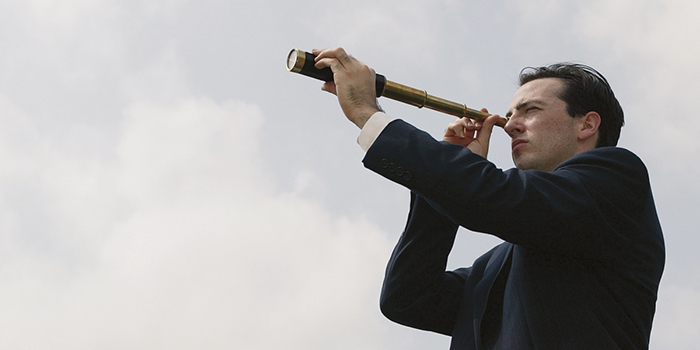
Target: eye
x=530, y=109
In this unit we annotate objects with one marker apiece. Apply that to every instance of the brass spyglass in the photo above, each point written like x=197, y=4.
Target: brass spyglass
x=302, y=62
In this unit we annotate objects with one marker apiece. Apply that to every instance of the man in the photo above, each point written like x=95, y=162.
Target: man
x=583, y=252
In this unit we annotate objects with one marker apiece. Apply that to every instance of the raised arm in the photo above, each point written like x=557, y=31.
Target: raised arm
x=417, y=291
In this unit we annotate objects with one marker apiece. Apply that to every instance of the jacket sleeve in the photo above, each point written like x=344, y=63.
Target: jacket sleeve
x=417, y=291
x=575, y=209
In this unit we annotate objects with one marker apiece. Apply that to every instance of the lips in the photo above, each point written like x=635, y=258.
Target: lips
x=517, y=143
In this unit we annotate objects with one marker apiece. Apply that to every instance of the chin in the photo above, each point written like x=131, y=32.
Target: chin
x=520, y=163
x=523, y=164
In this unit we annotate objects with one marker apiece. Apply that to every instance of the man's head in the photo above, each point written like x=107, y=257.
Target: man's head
x=559, y=111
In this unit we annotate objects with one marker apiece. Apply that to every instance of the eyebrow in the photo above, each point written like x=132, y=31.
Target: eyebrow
x=524, y=104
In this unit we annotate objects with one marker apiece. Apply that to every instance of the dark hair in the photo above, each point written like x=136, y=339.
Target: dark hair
x=585, y=90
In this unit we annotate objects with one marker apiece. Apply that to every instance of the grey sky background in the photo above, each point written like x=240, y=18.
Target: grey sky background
x=167, y=184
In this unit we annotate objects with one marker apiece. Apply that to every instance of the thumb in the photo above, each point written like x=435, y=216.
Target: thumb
x=329, y=86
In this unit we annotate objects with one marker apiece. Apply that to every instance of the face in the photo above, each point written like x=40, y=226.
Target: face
x=542, y=133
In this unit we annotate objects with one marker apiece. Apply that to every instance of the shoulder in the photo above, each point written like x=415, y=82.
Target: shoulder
x=605, y=156
x=610, y=174
x=607, y=161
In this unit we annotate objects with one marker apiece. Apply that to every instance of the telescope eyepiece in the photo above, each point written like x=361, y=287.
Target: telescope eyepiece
x=294, y=64
x=302, y=62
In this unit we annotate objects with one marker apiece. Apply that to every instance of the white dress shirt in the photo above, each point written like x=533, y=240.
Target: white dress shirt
x=374, y=126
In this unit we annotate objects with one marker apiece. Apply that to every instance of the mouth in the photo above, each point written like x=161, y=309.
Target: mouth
x=517, y=143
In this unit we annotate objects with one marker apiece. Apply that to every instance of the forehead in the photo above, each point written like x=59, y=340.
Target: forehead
x=543, y=90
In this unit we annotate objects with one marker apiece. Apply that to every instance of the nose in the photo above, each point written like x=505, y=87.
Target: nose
x=513, y=127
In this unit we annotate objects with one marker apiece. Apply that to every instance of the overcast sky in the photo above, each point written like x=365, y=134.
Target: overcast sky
x=167, y=184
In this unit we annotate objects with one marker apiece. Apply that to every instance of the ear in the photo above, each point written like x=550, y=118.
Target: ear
x=588, y=126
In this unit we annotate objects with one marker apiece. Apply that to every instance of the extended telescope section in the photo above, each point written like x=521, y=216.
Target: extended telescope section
x=302, y=62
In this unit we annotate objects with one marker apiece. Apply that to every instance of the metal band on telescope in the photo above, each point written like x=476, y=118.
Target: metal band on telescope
x=302, y=62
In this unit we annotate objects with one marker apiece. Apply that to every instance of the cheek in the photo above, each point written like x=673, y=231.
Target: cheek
x=554, y=128
x=547, y=137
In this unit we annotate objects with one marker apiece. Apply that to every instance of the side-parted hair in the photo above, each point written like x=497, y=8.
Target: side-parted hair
x=585, y=90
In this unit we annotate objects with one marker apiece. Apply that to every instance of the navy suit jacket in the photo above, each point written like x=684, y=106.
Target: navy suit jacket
x=581, y=262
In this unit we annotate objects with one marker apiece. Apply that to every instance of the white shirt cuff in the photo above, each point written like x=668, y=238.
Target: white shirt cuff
x=373, y=127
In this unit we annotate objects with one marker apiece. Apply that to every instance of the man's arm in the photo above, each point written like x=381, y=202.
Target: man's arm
x=566, y=210
x=417, y=292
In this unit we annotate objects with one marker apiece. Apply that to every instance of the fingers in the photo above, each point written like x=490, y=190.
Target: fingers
x=353, y=83
x=340, y=62
x=462, y=127
x=330, y=58
x=335, y=58
x=336, y=52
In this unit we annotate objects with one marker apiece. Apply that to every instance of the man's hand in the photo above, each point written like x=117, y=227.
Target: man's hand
x=471, y=134
x=353, y=83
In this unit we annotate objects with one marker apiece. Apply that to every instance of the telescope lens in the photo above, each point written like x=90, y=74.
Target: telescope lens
x=292, y=60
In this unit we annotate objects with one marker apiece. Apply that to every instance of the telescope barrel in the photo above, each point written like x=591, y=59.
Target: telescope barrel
x=302, y=62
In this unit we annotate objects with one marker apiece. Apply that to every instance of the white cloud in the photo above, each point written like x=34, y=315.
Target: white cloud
x=655, y=42
x=184, y=243
x=162, y=228
x=401, y=32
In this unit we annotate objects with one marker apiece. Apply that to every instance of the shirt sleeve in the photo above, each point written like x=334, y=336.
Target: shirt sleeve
x=374, y=126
